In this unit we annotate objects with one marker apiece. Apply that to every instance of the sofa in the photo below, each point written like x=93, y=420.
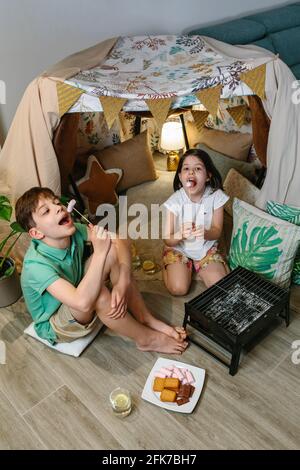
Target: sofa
x=277, y=30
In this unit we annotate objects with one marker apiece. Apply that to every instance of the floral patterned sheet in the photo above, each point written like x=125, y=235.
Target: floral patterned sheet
x=149, y=67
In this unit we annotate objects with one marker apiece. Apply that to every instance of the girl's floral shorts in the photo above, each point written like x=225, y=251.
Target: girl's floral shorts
x=171, y=256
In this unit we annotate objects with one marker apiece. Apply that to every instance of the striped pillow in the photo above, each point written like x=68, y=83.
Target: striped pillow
x=290, y=214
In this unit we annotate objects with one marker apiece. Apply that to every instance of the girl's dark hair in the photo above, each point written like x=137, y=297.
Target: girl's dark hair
x=215, y=180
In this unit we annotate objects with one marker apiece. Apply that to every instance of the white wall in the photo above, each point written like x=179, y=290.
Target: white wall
x=37, y=33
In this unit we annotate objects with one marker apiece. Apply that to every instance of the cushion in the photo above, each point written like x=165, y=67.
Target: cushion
x=262, y=243
x=236, y=185
x=266, y=43
x=98, y=185
x=296, y=70
x=286, y=44
x=127, y=129
x=93, y=133
x=74, y=348
x=278, y=19
x=240, y=31
x=234, y=145
x=224, y=164
x=133, y=157
x=291, y=214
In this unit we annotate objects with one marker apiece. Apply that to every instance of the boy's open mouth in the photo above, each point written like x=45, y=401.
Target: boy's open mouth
x=65, y=220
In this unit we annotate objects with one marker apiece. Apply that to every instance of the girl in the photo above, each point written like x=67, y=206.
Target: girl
x=194, y=223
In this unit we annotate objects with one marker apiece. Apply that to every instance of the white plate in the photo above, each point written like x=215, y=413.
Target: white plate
x=153, y=397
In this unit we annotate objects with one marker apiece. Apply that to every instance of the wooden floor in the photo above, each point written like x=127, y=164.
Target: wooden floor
x=52, y=401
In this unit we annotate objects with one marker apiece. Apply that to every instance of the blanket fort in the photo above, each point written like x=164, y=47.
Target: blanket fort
x=157, y=73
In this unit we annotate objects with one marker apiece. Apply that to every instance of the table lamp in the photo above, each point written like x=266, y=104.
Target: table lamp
x=172, y=140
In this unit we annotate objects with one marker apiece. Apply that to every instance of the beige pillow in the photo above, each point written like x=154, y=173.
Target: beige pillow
x=236, y=185
x=234, y=144
x=135, y=159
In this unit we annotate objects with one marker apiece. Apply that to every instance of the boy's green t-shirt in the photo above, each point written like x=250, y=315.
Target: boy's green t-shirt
x=42, y=266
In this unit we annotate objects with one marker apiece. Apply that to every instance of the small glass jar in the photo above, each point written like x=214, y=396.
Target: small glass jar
x=120, y=401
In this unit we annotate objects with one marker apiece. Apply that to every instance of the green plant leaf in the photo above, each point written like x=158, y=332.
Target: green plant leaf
x=5, y=208
x=257, y=251
x=64, y=200
x=8, y=272
x=284, y=212
x=17, y=227
x=5, y=240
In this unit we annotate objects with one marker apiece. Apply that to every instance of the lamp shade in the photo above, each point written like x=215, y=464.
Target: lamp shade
x=172, y=136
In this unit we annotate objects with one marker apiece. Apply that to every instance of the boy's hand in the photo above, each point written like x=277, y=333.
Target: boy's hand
x=100, y=239
x=118, y=301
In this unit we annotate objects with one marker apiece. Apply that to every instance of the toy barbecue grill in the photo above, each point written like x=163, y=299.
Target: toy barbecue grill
x=235, y=310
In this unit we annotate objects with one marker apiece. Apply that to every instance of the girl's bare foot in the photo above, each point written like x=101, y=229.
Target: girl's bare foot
x=160, y=342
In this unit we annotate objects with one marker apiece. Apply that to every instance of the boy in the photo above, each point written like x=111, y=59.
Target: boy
x=65, y=303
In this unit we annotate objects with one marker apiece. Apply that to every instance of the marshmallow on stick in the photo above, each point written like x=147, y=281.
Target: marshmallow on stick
x=189, y=184
x=71, y=208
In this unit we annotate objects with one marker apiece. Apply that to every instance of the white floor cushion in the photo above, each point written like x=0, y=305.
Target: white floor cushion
x=73, y=348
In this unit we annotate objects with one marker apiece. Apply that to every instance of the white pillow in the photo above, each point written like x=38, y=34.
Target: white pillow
x=74, y=348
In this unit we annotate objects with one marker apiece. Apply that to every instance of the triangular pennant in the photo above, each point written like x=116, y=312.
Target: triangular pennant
x=111, y=108
x=67, y=95
x=238, y=114
x=256, y=79
x=159, y=109
x=210, y=98
x=200, y=118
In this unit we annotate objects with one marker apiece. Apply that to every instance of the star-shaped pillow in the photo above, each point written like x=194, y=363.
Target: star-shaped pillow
x=98, y=185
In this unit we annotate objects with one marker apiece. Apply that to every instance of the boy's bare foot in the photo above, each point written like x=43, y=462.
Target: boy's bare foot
x=159, y=342
x=176, y=332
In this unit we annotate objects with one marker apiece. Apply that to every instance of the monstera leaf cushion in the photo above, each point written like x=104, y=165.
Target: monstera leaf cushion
x=290, y=214
x=262, y=243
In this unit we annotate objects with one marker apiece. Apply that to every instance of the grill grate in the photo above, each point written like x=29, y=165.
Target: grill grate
x=235, y=305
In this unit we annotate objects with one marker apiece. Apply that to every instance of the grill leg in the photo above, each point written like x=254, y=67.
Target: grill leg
x=287, y=315
x=185, y=320
x=235, y=359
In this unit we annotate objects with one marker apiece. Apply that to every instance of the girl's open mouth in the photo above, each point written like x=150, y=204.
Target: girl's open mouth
x=191, y=183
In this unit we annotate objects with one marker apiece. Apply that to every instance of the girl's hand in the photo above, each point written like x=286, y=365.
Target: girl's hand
x=187, y=230
x=198, y=232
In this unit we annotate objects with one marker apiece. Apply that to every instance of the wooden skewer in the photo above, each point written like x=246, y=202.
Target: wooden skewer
x=83, y=217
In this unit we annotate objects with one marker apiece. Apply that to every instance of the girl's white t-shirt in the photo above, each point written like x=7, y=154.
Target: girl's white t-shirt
x=200, y=213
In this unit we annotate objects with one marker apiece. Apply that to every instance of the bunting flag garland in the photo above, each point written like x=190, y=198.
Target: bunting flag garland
x=67, y=95
x=200, y=118
x=256, y=80
x=111, y=107
x=159, y=109
x=238, y=114
x=210, y=98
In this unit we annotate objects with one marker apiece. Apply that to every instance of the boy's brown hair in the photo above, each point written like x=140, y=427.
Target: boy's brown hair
x=27, y=204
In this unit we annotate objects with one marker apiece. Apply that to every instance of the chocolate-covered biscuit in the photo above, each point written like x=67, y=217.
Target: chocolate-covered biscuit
x=182, y=401
x=184, y=391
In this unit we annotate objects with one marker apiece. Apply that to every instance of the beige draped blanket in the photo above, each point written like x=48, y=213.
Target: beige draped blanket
x=28, y=157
